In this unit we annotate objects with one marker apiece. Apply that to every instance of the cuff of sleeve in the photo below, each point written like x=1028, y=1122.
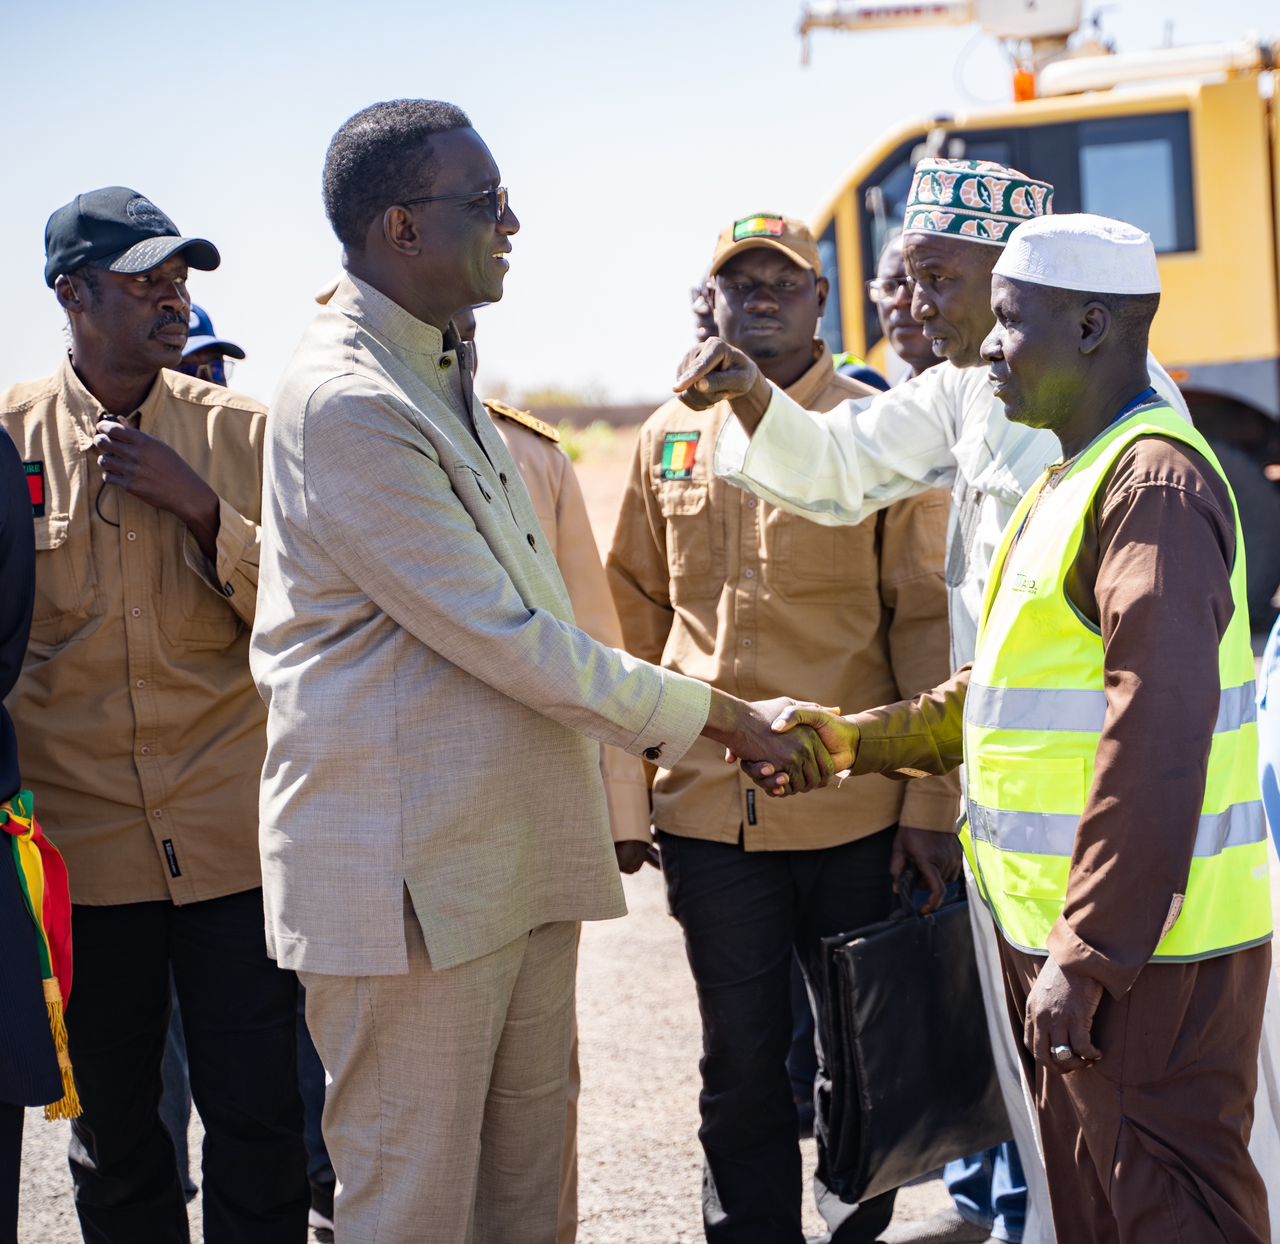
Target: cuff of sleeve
x=932, y=803
x=1072, y=954
x=236, y=534
x=676, y=721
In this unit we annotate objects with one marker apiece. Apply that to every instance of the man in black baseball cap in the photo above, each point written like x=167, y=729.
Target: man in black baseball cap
x=120, y=230
x=139, y=720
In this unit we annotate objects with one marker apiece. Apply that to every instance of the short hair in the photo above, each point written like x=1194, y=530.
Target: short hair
x=91, y=275
x=1131, y=314
x=895, y=236
x=373, y=161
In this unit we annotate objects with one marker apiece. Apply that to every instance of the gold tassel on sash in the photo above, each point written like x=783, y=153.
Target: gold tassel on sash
x=68, y=1107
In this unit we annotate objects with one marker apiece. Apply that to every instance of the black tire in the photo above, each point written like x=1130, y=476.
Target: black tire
x=1258, y=500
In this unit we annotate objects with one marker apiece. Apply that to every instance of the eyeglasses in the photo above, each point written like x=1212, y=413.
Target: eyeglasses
x=887, y=289
x=498, y=197
x=216, y=371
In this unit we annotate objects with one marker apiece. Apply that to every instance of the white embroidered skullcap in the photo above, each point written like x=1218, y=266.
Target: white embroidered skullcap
x=1094, y=254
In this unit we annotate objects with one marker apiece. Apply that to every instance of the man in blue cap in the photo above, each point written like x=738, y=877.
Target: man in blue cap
x=140, y=724
x=205, y=354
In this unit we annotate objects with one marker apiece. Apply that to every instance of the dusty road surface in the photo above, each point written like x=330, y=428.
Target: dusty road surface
x=640, y=1166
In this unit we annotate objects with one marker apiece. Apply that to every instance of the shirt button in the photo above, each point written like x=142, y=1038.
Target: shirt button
x=653, y=753
x=533, y=544
x=157, y=814
x=746, y=643
x=142, y=682
x=502, y=475
x=751, y=504
x=748, y=574
x=146, y=751
x=133, y=535
x=446, y=362
x=137, y=613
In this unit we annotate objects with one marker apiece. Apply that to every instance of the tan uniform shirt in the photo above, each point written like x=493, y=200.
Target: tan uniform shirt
x=141, y=732
x=718, y=585
x=558, y=502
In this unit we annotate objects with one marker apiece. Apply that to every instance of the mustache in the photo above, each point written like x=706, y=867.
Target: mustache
x=170, y=317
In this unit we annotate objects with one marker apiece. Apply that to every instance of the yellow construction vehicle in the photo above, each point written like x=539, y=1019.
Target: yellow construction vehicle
x=1182, y=141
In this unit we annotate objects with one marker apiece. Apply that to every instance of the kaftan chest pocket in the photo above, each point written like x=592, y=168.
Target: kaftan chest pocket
x=695, y=545
x=67, y=596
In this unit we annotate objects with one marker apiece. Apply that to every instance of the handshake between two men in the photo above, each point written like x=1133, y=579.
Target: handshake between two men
x=787, y=748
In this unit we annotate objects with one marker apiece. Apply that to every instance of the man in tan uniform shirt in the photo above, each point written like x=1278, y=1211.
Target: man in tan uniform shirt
x=143, y=736
x=715, y=584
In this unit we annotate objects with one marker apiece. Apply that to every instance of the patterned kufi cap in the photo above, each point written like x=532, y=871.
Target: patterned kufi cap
x=976, y=200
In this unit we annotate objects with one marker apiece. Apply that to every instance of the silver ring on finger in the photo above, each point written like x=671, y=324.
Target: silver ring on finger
x=1061, y=1053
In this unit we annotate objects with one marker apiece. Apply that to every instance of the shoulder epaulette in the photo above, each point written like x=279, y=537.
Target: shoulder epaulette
x=502, y=411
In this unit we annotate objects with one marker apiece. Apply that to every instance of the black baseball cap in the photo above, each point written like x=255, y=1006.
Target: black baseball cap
x=118, y=229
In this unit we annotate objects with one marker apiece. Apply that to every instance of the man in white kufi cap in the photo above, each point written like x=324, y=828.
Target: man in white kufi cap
x=942, y=429
x=1108, y=731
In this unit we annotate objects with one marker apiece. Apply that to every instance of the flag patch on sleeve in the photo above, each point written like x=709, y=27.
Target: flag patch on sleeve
x=35, y=486
x=678, y=452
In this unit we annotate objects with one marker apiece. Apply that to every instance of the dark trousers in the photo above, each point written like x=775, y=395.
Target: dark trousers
x=1151, y=1143
x=744, y=915
x=238, y=1013
x=11, y=1118
x=311, y=1082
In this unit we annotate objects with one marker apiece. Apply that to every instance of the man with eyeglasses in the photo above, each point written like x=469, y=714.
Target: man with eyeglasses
x=434, y=821
x=142, y=731
x=943, y=428
x=205, y=354
x=712, y=583
x=891, y=290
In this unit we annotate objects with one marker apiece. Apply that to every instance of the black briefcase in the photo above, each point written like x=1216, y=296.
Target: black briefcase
x=912, y=1079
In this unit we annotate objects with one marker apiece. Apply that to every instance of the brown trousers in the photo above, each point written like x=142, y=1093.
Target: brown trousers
x=1151, y=1143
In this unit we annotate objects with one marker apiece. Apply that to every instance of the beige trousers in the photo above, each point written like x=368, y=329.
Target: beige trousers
x=567, y=1231
x=445, y=1109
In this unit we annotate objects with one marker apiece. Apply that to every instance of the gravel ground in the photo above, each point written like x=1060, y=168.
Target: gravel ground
x=640, y=1166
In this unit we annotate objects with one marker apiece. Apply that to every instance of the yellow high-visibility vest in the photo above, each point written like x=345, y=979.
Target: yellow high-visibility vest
x=1034, y=715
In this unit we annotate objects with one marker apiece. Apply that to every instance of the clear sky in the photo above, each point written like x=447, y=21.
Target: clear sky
x=629, y=134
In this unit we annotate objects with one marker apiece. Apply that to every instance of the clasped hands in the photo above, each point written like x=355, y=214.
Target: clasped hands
x=785, y=747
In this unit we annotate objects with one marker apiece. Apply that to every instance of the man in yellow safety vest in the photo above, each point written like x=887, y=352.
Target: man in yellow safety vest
x=1109, y=737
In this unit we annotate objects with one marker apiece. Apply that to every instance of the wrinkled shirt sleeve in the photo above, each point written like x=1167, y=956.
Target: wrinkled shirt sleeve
x=460, y=601
x=841, y=467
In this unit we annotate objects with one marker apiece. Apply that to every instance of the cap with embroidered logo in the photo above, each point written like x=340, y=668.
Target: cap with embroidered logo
x=769, y=230
x=974, y=200
x=118, y=229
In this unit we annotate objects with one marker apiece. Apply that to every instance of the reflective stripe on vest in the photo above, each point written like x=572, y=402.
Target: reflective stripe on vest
x=1026, y=708
x=1036, y=709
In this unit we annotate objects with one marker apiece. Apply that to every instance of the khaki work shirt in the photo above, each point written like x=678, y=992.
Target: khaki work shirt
x=141, y=732
x=561, y=509
x=723, y=587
